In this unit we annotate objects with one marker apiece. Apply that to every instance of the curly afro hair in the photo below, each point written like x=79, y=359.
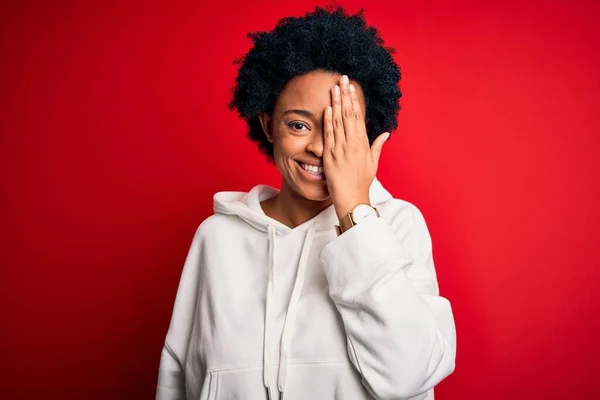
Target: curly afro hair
x=324, y=39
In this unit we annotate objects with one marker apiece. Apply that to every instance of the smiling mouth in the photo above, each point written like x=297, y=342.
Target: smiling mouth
x=311, y=171
x=311, y=168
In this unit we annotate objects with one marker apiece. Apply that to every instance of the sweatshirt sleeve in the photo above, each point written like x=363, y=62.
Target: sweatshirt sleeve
x=400, y=332
x=171, y=383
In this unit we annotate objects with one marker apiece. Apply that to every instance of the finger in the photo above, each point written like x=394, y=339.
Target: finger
x=338, y=122
x=328, y=135
x=347, y=109
x=377, y=146
x=361, y=130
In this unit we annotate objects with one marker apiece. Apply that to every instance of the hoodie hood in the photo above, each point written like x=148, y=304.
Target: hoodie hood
x=246, y=205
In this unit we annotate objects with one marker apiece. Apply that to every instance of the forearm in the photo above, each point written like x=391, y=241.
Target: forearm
x=400, y=331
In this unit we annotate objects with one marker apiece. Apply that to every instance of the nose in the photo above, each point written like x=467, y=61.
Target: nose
x=315, y=144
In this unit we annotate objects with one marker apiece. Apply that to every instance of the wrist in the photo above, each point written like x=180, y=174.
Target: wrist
x=358, y=214
x=342, y=209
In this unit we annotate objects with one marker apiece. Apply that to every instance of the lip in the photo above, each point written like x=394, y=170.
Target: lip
x=310, y=177
x=314, y=164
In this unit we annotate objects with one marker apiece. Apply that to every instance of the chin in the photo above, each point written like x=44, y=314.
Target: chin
x=315, y=192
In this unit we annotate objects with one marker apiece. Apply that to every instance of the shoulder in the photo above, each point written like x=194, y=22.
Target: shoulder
x=402, y=215
x=213, y=226
x=220, y=227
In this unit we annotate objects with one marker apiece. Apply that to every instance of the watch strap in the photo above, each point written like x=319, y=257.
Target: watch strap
x=348, y=221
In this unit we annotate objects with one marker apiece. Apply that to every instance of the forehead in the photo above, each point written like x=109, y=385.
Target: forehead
x=311, y=92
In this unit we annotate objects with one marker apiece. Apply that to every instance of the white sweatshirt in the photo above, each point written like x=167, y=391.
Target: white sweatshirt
x=265, y=311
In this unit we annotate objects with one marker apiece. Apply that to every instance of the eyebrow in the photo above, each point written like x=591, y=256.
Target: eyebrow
x=305, y=113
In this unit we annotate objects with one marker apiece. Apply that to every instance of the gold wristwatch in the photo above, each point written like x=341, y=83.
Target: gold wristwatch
x=356, y=216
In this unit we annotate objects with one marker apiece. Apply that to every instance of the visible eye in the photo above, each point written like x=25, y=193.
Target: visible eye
x=297, y=126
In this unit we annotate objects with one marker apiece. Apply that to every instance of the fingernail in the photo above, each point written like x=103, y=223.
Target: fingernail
x=387, y=136
x=345, y=79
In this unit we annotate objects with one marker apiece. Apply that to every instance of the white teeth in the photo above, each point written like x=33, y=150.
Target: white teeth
x=312, y=169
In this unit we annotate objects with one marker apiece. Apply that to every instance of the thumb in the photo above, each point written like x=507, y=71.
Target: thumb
x=377, y=146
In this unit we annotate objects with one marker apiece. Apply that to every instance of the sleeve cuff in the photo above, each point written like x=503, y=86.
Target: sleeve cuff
x=360, y=248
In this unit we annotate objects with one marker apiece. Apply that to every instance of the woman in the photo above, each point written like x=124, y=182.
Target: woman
x=326, y=288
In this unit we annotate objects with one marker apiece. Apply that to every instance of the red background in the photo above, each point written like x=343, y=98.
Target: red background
x=115, y=135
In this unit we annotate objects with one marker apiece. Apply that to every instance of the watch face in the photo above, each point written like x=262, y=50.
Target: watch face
x=362, y=211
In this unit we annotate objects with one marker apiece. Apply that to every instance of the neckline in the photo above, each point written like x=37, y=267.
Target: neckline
x=327, y=214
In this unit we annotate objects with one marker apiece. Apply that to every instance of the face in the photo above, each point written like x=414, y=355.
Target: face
x=296, y=130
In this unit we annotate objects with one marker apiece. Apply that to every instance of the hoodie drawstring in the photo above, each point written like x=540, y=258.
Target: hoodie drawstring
x=267, y=338
x=290, y=316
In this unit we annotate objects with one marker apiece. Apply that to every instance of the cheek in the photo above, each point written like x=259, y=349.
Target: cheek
x=281, y=155
x=288, y=146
